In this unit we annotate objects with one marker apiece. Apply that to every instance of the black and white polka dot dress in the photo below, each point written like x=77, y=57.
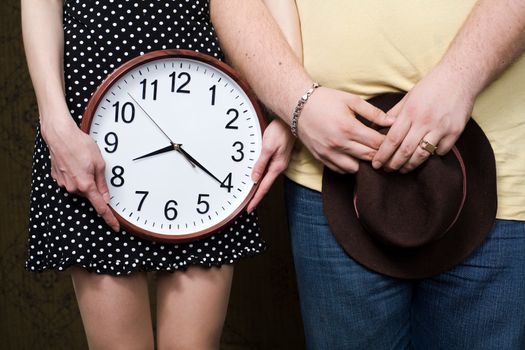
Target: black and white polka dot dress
x=64, y=229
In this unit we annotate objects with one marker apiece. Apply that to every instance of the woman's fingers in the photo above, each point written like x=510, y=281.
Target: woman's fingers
x=261, y=164
x=101, y=190
x=273, y=160
x=266, y=183
x=101, y=207
x=86, y=186
x=57, y=176
x=258, y=173
x=100, y=179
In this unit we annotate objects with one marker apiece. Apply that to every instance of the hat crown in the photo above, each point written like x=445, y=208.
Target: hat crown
x=414, y=209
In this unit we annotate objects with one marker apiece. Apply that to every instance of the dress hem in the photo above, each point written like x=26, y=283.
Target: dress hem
x=105, y=267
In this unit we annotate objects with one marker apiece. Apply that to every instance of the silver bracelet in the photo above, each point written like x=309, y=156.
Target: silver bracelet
x=299, y=108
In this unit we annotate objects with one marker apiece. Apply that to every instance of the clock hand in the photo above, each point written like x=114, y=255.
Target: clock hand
x=157, y=125
x=172, y=147
x=194, y=161
x=159, y=151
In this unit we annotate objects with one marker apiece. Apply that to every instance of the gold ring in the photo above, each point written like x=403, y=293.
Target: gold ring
x=427, y=146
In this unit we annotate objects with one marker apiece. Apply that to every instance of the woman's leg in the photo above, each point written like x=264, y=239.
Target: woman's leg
x=115, y=310
x=191, y=307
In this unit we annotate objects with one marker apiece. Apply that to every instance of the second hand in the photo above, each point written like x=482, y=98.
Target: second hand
x=176, y=146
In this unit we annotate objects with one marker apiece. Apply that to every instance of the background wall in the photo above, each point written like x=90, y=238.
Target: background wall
x=39, y=311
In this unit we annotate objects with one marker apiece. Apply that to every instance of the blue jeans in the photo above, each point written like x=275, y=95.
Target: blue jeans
x=479, y=304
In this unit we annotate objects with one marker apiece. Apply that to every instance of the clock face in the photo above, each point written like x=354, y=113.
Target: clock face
x=180, y=137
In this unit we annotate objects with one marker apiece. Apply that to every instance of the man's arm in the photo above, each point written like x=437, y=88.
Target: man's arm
x=439, y=106
x=254, y=45
x=492, y=37
x=278, y=140
x=285, y=14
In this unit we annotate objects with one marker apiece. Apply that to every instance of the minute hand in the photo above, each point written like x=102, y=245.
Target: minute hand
x=194, y=161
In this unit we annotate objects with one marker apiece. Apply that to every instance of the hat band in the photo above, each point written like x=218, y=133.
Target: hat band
x=464, y=198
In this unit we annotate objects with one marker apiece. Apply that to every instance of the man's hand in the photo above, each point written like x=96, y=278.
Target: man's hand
x=436, y=110
x=439, y=106
x=329, y=128
x=255, y=46
x=276, y=150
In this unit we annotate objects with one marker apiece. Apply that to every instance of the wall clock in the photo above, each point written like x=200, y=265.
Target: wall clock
x=180, y=133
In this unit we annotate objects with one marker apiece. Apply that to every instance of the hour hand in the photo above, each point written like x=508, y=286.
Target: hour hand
x=169, y=148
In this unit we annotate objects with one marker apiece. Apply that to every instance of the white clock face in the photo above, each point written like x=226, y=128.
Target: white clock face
x=180, y=139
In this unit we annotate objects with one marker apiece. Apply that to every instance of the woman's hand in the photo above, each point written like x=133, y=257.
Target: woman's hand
x=77, y=165
x=329, y=128
x=436, y=110
x=275, y=154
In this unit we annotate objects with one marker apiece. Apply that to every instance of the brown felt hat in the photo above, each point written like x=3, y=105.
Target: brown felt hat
x=419, y=224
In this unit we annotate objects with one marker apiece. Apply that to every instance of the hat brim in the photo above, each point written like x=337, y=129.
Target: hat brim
x=467, y=234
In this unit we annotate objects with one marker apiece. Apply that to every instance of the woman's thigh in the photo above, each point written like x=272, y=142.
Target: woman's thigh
x=115, y=310
x=479, y=304
x=191, y=307
x=344, y=305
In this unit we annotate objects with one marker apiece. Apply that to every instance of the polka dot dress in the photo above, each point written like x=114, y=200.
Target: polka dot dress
x=64, y=229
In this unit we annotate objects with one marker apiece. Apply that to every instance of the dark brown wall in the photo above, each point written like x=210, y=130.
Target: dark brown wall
x=39, y=311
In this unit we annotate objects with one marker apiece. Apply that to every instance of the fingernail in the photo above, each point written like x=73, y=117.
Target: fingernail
x=376, y=164
x=106, y=197
x=256, y=177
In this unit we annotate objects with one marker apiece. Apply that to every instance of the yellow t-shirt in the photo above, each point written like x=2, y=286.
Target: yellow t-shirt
x=376, y=46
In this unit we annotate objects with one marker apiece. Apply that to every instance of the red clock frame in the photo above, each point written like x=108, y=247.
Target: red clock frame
x=162, y=54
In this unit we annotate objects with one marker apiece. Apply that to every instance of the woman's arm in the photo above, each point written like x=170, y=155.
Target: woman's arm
x=76, y=162
x=44, y=47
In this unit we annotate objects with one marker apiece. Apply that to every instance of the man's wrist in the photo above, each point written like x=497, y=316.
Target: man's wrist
x=299, y=108
x=467, y=81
